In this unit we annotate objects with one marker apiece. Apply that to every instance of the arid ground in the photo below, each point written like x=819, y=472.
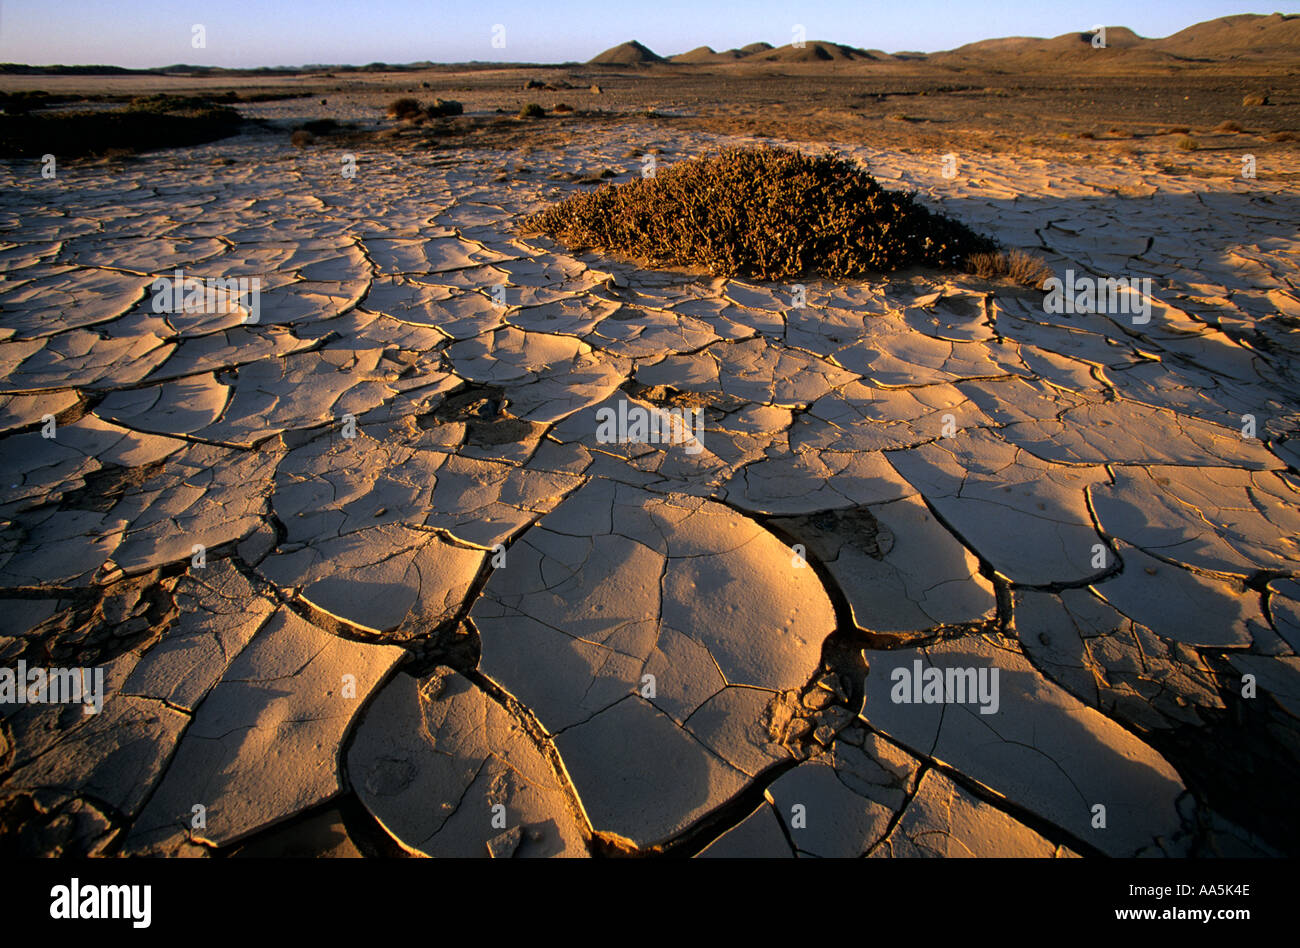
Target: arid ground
x=364, y=576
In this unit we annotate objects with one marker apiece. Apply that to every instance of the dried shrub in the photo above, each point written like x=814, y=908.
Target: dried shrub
x=445, y=107
x=165, y=104
x=146, y=124
x=1228, y=127
x=1186, y=144
x=532, y=110
x=766, y=213
x=562, y=107
x=1087, y=135
x=23, y=101
x=1178, y=130
x=1022, y=268
x=324, y=126
x=403, y=108
x=302, y=138
x=1282, y=136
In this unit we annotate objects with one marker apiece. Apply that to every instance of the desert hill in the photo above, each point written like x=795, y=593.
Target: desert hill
x=630, y=53
x=1244, y=36
x=1248, y=36
x=811, y=52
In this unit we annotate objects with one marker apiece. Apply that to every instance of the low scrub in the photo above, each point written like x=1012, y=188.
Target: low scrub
x=1014, y=265
x=145, y=124
x=765, y=213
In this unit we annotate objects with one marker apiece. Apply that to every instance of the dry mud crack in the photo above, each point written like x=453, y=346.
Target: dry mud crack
x=367, y=570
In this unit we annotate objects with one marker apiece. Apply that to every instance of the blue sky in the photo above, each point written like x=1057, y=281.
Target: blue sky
x=293, y=32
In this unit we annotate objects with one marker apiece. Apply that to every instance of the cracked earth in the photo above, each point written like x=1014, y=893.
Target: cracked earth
x=434, y=614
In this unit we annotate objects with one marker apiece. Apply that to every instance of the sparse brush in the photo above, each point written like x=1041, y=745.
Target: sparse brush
x=164, y=104
x=765, y=213
x=1186, y=144
x=1228, y=127
x=445, y=107
x=301, y=138
x=1022, y=268
x=532, y=110
x=133, y=129
x=23, y=101
x=1087, y=134
x=403, y=108
x=1282, y=136
x=323, y=126
x=562, y=107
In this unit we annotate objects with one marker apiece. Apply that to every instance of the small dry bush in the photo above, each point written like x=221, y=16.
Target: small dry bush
x=532, y=110
x=1026, y=269
x=1228, y=127
x=445, y=107
x=765, y=213
x=1186, y=144
x=403, y=108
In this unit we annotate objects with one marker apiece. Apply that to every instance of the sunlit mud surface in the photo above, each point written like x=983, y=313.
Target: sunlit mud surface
x=364, y=574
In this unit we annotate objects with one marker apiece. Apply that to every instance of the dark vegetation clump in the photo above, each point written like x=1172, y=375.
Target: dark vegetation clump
x=323, y=126
x=532, y=110
x=146, y=123
x=164, y=104
x=410, y=110
x=445, y=107
x=25, y=100
x=765, y=213
x=404, y=108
